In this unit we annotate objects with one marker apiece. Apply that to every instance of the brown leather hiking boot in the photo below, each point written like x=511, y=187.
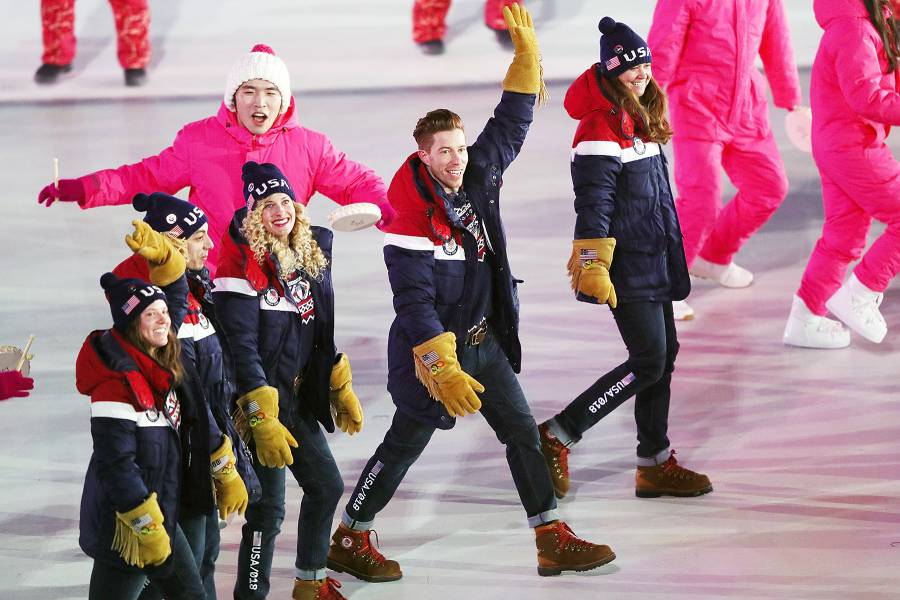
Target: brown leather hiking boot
x=352, y=552
x=559, y=549
x=557, y=457
x=670, y=479
x=317, y=589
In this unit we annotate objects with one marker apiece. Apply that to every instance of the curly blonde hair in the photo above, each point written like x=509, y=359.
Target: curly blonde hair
x=301, y=251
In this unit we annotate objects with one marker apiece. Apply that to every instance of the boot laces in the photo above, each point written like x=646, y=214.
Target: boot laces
x=569, y=542
x=328, y=590
x=673, y=469
x=370, y=552
x=560, y=454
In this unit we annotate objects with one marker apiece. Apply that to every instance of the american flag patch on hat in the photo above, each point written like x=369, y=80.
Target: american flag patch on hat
x=129, y=306
x=612, y=63
x=430, y=358
x=175, y=231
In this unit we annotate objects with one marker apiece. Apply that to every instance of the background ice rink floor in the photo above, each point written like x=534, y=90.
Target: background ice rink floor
x=802, y=445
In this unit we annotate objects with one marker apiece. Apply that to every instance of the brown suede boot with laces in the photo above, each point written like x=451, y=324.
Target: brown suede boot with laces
x=317, y=589
x=352, y=552
x=670, y=479
x=559, y=549
x=556, y=456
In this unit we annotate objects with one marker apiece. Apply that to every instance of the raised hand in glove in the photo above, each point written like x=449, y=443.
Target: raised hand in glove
x=165, y=260
x=589, y=269
x=231, y=493
x=272, y=439
x=140, y=538
x=524, y=74
x=345, y=407
x=439, y=371
x=69, y=190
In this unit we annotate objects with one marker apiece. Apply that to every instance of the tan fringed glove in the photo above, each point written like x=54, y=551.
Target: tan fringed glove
x=231, y=493
x=272, y=439
x=525, y=73
x=166, y=262
x=439, y=371
x=140, y=538
x=345, y=407
x=589, y=269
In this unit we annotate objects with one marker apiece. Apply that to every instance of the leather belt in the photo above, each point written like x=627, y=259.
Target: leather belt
x=475, y=335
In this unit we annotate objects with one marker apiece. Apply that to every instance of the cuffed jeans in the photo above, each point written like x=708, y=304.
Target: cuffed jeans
x=182, y=581
x=317, y=473
x=503, y=406
x=648, y=330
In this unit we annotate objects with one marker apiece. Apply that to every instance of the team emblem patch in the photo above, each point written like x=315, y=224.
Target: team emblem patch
x=618, y=49
x=639, y=146
x=204, y=322
x=450, y=247
x=347, y=542
x=271, y=296
x=171, y=218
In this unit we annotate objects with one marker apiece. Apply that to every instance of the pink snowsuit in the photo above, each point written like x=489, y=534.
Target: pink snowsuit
x=703, y=54
x=854, y=103
x=207, y=156
x=132, y=32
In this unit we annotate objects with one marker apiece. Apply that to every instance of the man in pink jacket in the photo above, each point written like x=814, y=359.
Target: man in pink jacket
x=703, y=54
x=855, y=93
x=257, y=121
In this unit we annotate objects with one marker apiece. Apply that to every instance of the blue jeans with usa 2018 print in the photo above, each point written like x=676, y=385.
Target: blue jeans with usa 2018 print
x=503, y=406
x=317, y=473
x=648, y=330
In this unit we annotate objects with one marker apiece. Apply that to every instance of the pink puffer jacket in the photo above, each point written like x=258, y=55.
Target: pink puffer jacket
x=207, y=156
x=704, y=54
x=854, y=99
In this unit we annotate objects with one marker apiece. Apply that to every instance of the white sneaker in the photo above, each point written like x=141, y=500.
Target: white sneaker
x=857, y=306
x=730, y=275
x=682, y=311
x=807, y=330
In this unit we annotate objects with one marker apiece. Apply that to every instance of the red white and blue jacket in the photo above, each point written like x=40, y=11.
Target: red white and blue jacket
x=432, y=264
x=622, y=191
x=265, y=320
x=135, y=416
x=208, y=375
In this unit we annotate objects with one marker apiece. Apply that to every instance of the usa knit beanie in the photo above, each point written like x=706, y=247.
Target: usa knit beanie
x=621, y=48
x=260, y=63
x=169, y=215
x=263, y=180
x=128, y=298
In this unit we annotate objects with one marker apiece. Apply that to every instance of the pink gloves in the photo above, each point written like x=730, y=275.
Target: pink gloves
x=70, y=190
x=14, y=385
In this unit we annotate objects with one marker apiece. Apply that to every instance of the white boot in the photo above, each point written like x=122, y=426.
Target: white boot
x=808, y=330
x=681, y=311
x=857, y=306
x=730, y=275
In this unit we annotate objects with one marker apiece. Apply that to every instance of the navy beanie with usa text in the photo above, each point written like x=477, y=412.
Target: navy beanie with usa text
x=169, y=215
x=128, y=298
x=621, y=48
x=263, y=180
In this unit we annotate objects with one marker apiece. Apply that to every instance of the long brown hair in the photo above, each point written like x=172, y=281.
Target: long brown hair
x=168, y=356
x=886, y=28
x=650, y=109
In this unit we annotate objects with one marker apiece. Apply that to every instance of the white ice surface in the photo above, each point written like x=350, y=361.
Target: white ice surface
x=802, y=446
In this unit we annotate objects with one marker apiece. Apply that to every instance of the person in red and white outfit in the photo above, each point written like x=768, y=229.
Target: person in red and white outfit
x=430, y=22
x=132, y=39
